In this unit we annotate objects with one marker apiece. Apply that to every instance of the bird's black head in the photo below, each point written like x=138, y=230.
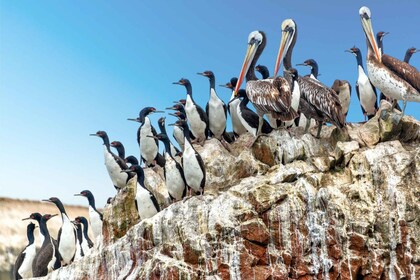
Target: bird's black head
x=242, y=93
x=116, y=144
x=34, y=216
x=183, y=101
x=162, y=137
x=47, y=217
x=53, y=199
x=147, y=111
x=310, y=62
x=162, y=120
x=181, y=123
x=100, y=133
x=293, y=73
x=182, y=82
x=85, y=193
x=355, y=50
x=80, y=220
x=207, y=73
x=380, y=35
x=132, y=160
x=412, y=50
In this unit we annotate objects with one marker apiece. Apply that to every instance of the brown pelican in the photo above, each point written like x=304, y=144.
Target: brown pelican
x=396, y=79
x=269, y=96
x=379, y=38
x=317, y=100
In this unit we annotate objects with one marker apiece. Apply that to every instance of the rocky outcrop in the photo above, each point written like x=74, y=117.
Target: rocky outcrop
x=345, y=206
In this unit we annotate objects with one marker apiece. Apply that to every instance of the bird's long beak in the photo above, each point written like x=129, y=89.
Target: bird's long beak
x=78, y=194
x=368, y=29
x=176, y=83
x=202, y=74
x=301, y=64
x=29, y=218
x=53, y=215
x=126, y=171
x=233, y=99
x=171, y=124
x=228, y=85
x=249, y=56
x=134, y=120
x=151, y=136
x=158, y=111
x=93, y=134
x=46, y=200
x=285, y=38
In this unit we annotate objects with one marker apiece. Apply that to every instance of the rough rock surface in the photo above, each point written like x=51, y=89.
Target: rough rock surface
x=345, y=206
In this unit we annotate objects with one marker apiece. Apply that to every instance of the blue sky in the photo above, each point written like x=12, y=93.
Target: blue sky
x=68, y=69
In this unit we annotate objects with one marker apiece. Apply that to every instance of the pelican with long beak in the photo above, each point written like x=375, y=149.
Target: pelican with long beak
x=396, y=79
x=269, y=96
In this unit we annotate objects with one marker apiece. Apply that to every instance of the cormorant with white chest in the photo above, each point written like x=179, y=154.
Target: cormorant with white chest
x=23, y=264
x=192, y=163
x=149, y=147
x=314, y=67
x=67, y=237
x=173, y=172
x=86, y=244
x=196, y=116
x=233, y=104
x=48, y=257
x=146, y=202
x=215, y=109
x=114, y=164
x=95, y=217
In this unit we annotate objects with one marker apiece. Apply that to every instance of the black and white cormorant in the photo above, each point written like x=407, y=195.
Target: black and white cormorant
x=95, y=217
x=215, y=109
x=248, y=118
x=149, y=147
x=48, y=257
x=314, y=67
x=114, y=164
x=233, y=104
x=174, y=175
x=23, y=264
x=79, y=235
x=192, y=163
x=196, y=116
x=162, y=128
x=317, y=101
x=343, y=89
x=67, y=236
x=396, y=79
x=146, y=203
x=366, y=91
x=269, y=96
x=86, y=243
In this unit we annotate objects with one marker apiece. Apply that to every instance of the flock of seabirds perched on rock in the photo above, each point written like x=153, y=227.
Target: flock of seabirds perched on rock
x=292, y=100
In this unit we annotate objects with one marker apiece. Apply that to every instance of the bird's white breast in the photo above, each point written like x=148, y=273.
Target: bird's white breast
x=366, y=94
x=145, y=205
x=25, y=270
x=67, y=246
x=217, y=117
x=148, y=147
x=249, y=128
x=174, y=182
x=179, y=136
x=197, y=126
x=114, y=170
x=192, y=170
x=237, y=125
x=95, y=222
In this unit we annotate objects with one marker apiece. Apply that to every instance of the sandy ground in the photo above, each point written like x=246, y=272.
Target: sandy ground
x=13, y=230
